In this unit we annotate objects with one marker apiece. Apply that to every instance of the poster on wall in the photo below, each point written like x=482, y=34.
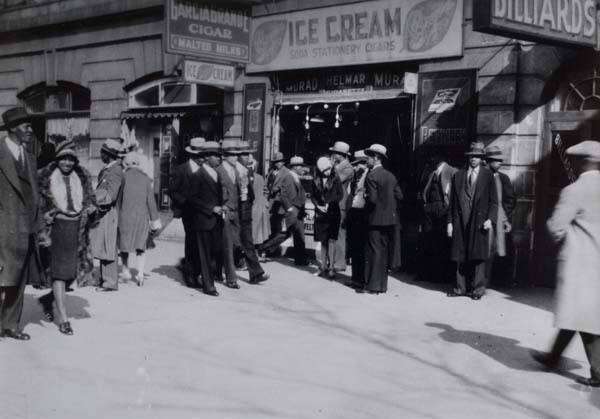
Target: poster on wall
x=359, y=33
x=207, y=29
x=254, y=116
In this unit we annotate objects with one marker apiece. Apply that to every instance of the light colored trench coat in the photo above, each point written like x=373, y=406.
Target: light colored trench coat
x=575, y=223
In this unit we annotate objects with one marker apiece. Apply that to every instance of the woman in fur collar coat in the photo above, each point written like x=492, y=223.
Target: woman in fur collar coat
x=66, y=201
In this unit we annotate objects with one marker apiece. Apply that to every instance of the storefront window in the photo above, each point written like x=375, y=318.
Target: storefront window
x=177, y=93
x=584, y=95
x=147, y=97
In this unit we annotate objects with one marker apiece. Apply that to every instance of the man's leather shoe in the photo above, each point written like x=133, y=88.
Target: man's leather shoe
x=360, y=290
x=259, y=278
x=453, y=293
x=7, y=333
x=102, y=289
x=544, y=358
x=214, y=293
x=591, y=382
x=233, y=285
x=476, y=297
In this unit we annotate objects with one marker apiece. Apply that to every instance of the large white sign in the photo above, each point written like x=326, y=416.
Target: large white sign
x=209, y=73
x=358, y=33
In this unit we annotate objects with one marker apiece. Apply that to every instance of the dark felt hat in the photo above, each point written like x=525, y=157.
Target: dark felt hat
x=15, y=116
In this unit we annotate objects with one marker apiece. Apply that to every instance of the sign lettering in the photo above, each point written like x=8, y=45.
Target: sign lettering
x=209, y=73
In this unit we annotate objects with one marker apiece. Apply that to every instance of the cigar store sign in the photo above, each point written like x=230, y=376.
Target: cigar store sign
x=207, y=29
x=570, y=22
x=358, y=33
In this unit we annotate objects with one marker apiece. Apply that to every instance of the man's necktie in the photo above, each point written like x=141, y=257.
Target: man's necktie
x=21, y=160
x=471, y=179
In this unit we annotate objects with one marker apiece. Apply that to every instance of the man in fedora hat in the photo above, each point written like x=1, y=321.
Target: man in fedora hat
x=502, y=225
x=357, y=219
x=231, y=184
x=278, y=171
x=575, y=226
x=19, y=261
x=473, y=206
x=437, y=266
x=340, y=152
x=256, y=274
x=103, y=234
x=179, y=190
x=382, y=195
x=205, y=199
x=289, y=193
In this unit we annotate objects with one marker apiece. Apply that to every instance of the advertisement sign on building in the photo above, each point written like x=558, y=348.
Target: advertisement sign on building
x=366, y=32
x=570, y=22
x=254, y=116
x=446, y=105
x=209, y=73
x=207, y=29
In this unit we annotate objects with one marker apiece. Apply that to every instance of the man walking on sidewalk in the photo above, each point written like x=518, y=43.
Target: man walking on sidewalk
x=575, y=225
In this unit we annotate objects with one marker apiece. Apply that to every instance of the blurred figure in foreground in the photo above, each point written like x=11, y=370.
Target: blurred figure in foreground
x=575, y=225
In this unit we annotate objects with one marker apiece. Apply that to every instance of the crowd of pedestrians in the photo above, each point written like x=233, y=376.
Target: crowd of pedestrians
x=54, y=223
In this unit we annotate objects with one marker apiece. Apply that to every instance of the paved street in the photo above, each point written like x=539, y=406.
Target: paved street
x=297, y=346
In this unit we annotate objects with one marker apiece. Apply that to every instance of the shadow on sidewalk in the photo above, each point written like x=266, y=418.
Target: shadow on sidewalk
x=171, y=272
x=506, y=351
x=32, y=310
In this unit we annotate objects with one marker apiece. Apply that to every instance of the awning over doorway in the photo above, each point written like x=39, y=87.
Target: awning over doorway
x=145, y=114
x=282, y=98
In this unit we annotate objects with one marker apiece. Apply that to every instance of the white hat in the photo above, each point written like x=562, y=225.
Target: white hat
x=323, y=164
x=376, y=149
x=296, y=161
x=195, y=145
x=111, y=146
x=340, y=147
x=589, y=150
x=359, y=157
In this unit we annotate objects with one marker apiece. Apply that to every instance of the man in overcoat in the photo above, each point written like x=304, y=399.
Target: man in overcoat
x=289, y=193
x=103, y=234
x=340, y=153
x=179, y=190
x=437, y=266
x=500, y=239
x=231, y=185
x=206, y=201
x=256, y=274
x=277, y=213
x=575, y=226
x=382, y=194
x=473, y=206
x=19, y=261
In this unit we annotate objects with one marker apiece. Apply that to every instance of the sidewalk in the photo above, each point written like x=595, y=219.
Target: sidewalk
x=297, y=346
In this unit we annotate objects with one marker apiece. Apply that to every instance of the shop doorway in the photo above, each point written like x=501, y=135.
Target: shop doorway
x=562, y=130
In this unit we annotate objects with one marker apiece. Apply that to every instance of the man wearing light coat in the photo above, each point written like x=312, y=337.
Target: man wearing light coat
x=575, y=226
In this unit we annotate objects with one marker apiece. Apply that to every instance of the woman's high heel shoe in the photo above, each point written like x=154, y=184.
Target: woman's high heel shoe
x=140, y=280
x=65, y=328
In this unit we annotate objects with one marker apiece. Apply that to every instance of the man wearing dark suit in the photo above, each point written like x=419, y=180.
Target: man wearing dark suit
x=256, y=274
x=382, y=195
x=230, y=183
x=206, y=201
x=473, y=206
x=289, y=193
x=18, y=220
x=437, y=266
x=500, y=238
x=273, y=179
x=179, y=190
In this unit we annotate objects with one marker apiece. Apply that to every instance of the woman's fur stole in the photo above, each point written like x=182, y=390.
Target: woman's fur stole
x=49, y=210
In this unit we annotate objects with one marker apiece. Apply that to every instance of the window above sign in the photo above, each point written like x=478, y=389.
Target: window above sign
x=172, y=92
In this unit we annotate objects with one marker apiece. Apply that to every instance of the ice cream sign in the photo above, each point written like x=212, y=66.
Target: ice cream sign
x=569, y=22
x=209, y=73
x=358, y=33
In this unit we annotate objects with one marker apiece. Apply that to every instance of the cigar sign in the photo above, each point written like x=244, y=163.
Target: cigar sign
x=207, y=29
x=569, y=22
x=358, y=33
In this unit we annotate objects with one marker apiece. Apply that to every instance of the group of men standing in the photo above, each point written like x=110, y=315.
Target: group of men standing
x=369, y=212
x=213, y=193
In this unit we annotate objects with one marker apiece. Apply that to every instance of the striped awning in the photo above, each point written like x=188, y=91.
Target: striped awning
x=350, y=95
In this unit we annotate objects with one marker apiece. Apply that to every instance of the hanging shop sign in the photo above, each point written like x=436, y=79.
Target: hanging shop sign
x=446, y=105
x=209, y=73
x=570, y=22
x=207, y=29
x=358, y=33
x=254, y=116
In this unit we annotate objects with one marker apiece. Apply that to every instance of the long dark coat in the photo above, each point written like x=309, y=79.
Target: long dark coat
x=19, y=222
x=327, y=224
x=469, y=240
x=49, y=210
